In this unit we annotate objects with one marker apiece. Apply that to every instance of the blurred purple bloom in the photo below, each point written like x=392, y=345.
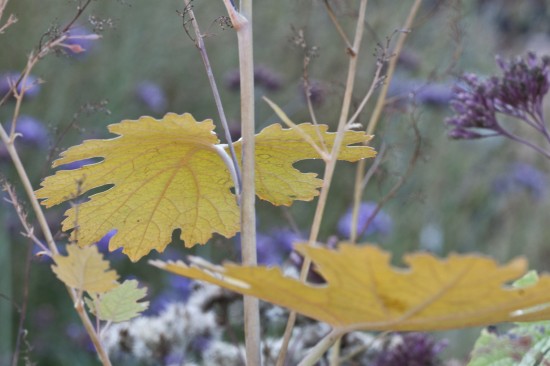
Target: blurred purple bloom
x=415, y=349
x=176, y=357
x=32, y=85
x=178, y=289
x=522, y=176
x=317, y=92
x=32, y=131
x=80, y=41
x=103, y=247
x=183, y=286
x=201, y=343
x=152, y=96
x=436, y=94
x=274, y=249
x=517, y=93
x=263, y=77
x=381, y=224
x=77, y=164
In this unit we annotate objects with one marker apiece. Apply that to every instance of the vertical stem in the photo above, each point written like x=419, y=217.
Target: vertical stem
x=84, y=318
x=243, y=25
x=6, y=294
x=375, y=117
x=330, y=166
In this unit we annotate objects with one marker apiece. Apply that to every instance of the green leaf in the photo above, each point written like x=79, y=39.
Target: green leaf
x=524, y=345
x=529, y=279
x=120, y=304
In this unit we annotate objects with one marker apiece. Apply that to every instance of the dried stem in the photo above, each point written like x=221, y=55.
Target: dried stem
x=375, y=117
x=199, y=43
x=242, y=22
x=9, y=142
x=329, y=168
x=339, y=29
x=320, y=348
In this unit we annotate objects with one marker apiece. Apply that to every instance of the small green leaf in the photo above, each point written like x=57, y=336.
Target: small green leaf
x=529, y=279
x=120, y=304
x=85, y=269
x=527, y=344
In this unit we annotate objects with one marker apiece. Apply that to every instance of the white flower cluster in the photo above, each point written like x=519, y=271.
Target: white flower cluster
x=151, y=339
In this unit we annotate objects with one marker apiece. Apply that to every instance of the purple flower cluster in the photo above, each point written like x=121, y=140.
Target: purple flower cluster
x=518, y=93
x=415, y=349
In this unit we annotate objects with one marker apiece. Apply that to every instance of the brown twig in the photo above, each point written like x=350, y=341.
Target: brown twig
x=339, y=29
x=375, y=117
x=199, y=43
x=329, y=168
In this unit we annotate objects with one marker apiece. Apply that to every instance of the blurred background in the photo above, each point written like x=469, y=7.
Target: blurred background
x=488, y=196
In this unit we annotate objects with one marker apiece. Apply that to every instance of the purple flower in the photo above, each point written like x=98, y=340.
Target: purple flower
x=367, y=223
x=151, y=96
x=32, y=131
x=274, y=249
x=475, y=109
x=523, y=85
x=522, y=176
x=79, y=41
x=435, y=94
x=31, y=85
x=415, y=349
x=518, y=93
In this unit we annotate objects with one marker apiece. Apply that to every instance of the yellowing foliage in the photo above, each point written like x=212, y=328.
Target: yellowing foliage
x=166, y=175
x=161, y=175
x=85, y=269
x=277, y=148
x=364, y=292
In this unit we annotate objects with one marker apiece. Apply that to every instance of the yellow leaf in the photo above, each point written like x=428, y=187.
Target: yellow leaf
x=277, y=149
x=166, y=175
x=162, y=175
x=85, y=269
x=363, y=291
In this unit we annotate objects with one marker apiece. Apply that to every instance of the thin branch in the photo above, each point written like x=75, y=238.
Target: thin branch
x=329, y=168
x=339, y=29
x=375, y=117
x=287, y=121
x=22, y=215
x=402, y=179
x=11, y=20
x=199, y=43
x=9, y=142
x=23, y=310
x=320, y=348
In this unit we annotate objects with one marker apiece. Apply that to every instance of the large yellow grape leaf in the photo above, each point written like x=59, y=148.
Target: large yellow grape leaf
x=166, y=174
x=277, y=181
x=363, y=291
x=161, y=175
x=85, y=269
